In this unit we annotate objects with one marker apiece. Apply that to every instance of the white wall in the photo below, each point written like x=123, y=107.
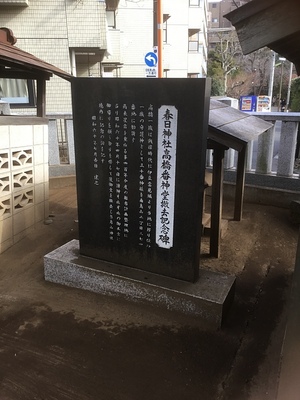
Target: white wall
x=135, y=21
x=24, y=177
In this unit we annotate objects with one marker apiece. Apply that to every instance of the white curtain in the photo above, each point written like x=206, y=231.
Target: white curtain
x=13, y=88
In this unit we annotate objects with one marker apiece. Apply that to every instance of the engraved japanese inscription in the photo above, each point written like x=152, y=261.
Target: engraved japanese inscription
x=140, y=149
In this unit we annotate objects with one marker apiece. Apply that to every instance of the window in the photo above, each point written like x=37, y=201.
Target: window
x=165, y=32
x=165, y=27
x=62, y=141
x=215, y=20
x=193, y=40
x=194, y=3
x=214, y=5
x=111, y=19
x=17, y=92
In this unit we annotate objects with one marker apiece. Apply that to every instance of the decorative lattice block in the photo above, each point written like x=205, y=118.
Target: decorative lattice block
x=5, y=206
x=4, y=161
x=4, y=184
x=23, y=199
x=23, y=179
x=22, y=158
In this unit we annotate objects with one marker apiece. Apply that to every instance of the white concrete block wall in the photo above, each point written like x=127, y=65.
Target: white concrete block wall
x=24, y=177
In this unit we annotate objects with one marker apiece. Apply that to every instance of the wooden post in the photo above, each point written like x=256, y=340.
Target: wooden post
x=41, y=97
x=216, y=201
x=240, y=184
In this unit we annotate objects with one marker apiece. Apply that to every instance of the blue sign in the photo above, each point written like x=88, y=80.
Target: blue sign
x=151, y=59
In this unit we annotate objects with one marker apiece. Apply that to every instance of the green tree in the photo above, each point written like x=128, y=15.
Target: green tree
x=214, y=71
x=295, y=95
x=222, y=61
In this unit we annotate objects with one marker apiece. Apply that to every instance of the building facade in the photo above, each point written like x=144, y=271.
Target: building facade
x=218, y=26
x=184, y=37
x=70, y=34
x=217, y=10
x=106, y=38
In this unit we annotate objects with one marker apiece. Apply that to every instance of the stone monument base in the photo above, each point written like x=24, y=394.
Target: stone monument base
x=208, y=299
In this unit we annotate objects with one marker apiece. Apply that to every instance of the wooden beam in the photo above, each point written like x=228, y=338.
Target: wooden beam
x=13, y=74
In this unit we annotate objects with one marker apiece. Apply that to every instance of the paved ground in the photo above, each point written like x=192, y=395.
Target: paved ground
x=59, y=343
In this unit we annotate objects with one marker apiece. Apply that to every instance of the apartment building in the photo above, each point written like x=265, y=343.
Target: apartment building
x=217, y=10
x=70, y=34
x=217, y=24
x=107, y=38
x=184, y=36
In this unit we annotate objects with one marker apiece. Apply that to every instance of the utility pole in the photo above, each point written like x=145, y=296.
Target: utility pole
x=155, y=23
x=271, y=80
x=158, y=34
x=282, y=60
x=289, y=87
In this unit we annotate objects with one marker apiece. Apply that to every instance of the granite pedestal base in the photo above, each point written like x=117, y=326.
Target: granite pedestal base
x=208, y=299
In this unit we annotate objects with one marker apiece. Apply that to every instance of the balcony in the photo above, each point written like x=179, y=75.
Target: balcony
x=196, y=16
x=195, y=62
x=15, y=3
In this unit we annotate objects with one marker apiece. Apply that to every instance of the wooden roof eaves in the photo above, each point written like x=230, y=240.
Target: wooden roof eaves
x=218, y=135
x=248, y=10
x=233, y=128
x=270, y=23
x=19, y=59
x=18, y=74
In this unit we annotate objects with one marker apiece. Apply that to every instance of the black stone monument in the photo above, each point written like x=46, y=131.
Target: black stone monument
x=140, y=158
